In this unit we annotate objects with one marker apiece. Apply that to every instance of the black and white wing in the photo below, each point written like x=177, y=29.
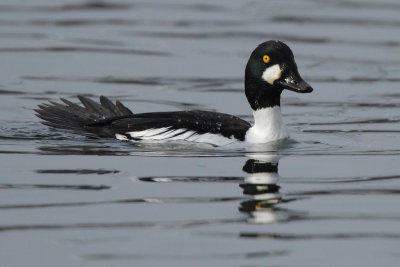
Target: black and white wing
x=106, y=119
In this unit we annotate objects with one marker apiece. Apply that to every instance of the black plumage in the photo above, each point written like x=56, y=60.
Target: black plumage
x=105, y=119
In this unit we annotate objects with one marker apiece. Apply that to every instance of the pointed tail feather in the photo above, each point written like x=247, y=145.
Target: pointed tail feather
x=84, y=120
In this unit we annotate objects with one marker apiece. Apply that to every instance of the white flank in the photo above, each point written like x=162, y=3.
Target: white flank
x=268, y=126
x=214, y=139
x=271, y=74
x=165, y=134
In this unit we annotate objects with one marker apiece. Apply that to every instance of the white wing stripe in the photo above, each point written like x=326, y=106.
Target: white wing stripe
x=165, y=133
x=183, y=136
x=148, y=133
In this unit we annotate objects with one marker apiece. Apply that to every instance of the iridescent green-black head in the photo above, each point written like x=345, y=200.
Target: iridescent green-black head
x=270, y=69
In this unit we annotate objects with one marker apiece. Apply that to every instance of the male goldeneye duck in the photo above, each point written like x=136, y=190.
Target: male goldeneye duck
x=271, y=69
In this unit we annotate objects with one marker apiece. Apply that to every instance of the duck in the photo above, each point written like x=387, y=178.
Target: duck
x=271, y=68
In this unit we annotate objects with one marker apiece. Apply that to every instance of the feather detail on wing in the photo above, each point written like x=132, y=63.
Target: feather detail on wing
x=106, y=119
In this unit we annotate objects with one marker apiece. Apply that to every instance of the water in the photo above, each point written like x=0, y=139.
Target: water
x=329, y=196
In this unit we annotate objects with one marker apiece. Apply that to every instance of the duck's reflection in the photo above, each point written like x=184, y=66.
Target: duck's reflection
x=261, y=185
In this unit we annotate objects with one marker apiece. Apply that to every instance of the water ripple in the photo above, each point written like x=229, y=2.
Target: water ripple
x=69, y=49
x=330, y=236
x=54, y=186
x=76, y=171
x=86, y=6
x=155, y=200
x=159, y=256
x=337, y=21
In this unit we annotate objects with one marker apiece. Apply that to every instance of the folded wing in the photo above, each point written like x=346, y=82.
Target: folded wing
x=106, y=119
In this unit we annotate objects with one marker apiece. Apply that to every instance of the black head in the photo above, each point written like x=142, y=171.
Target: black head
x=270, y=69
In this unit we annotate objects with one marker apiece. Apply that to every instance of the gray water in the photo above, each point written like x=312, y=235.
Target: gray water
x=329, y=196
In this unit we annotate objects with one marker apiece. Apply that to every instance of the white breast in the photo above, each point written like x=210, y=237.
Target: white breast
x=268, y=126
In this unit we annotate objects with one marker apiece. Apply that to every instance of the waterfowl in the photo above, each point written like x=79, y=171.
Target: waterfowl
x=270, y=69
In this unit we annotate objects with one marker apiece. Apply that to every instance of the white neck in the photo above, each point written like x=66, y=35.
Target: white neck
x=268, y=126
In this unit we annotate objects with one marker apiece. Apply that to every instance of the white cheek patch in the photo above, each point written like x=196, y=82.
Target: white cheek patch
x=271, y=74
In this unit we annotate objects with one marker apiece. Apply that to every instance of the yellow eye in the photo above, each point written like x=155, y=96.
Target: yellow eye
x=266, y=58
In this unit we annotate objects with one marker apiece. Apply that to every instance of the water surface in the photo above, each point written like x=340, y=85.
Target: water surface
x=329, y=196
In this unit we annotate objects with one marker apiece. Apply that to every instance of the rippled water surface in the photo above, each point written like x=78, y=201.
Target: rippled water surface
x=329, y=196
